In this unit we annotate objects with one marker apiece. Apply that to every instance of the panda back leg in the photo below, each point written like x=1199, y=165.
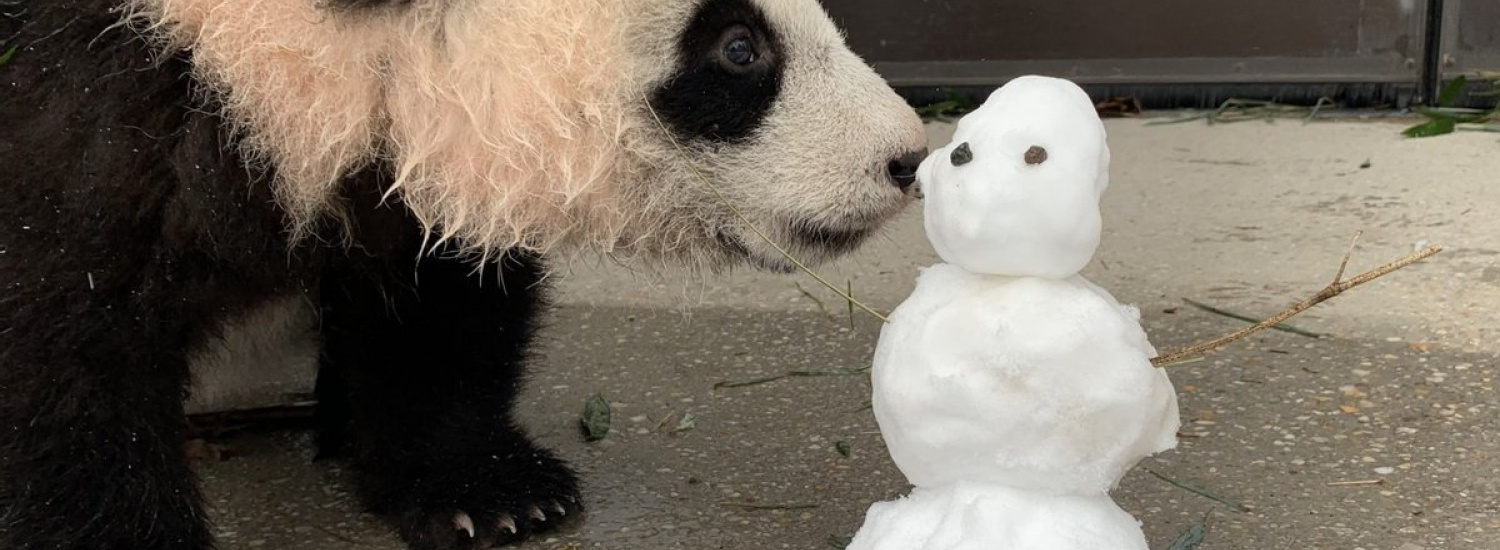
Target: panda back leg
x=429, y=358
x=92, y=450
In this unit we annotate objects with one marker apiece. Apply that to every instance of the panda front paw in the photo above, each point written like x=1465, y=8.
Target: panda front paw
x=517, y=497
x=456, y=529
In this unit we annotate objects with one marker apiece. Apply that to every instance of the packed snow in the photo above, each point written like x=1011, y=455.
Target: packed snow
x=999, y=214
x=1012, y=392
x=993, y=517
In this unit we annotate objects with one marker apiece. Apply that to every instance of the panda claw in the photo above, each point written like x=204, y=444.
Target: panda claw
x=558, y=507
x=536, y=513
x=464, y=523
x=507, y=524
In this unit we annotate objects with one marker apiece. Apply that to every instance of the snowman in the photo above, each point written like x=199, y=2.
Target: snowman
x=1012, y=392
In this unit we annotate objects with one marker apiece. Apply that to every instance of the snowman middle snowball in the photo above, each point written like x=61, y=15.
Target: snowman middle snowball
x=1012, y=392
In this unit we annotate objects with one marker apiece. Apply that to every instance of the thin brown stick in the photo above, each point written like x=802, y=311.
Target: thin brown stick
x=1357, y=483
x=1345, y=264
x=1337, y=287
x=206, y=425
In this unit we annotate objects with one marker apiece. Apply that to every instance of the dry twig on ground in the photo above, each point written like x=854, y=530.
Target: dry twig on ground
x=1337, y=287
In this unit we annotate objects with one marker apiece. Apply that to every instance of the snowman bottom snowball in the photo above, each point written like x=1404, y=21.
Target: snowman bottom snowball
x=989, y=517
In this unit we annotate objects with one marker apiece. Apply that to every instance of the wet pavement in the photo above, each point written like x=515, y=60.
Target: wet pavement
x=1385, y=434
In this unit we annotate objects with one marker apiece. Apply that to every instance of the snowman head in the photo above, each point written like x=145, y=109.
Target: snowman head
x=1017, y=192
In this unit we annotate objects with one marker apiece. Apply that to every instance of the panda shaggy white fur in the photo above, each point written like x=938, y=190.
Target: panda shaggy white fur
x=524, y=123
x=406, y=167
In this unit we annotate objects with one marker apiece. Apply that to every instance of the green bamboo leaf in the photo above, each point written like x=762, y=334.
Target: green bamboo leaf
x=955, y=105
x=688, y=423
x=1452, y=90
x=5, y=57
x=1179, y=120
x=1232, y=315
x=1435, y=127
x=595, y=419
x=1193, y=536
x=1192, y=488
x=938, y=109
x=1457, y=115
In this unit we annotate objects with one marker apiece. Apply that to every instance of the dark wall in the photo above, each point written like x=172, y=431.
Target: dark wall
x=952, y=30
x=1373, y=48
x=1471, y=36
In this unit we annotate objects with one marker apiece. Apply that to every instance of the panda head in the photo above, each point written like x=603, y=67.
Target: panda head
x=805, y=139
x=677, y=129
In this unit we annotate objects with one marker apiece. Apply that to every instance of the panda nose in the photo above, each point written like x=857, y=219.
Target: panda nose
x=903, y=169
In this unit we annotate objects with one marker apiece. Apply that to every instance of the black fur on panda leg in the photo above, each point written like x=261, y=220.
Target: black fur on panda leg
x=126, y=235
x=97, y=463
x=428, y=356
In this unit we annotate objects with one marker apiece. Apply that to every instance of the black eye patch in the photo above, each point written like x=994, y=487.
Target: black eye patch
x=728, y=74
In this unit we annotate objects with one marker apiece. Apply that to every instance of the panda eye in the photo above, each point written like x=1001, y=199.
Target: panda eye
x=738, y=48
x=740, y=51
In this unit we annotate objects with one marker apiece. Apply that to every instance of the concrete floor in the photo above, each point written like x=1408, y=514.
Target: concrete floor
x=1249, y=217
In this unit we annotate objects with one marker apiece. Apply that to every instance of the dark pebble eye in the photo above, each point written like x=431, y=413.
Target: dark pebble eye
x=740, y=51
x=961, y=155
x=1036, y=155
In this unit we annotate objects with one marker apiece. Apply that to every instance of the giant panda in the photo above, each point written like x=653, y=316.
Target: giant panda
x=409, y=168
